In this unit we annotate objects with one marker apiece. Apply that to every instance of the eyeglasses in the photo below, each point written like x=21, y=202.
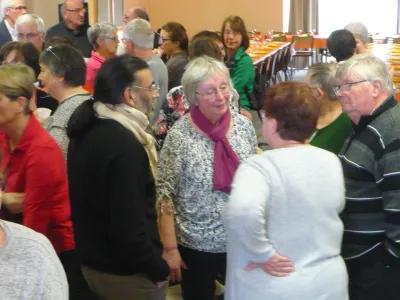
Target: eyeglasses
x=20, y=7
x=163, y=40
x=29, y=36
x=231, y=32
x=114, y=38
x=223, y=89
x=76, y=10
x=347, y=86
x=153, y=88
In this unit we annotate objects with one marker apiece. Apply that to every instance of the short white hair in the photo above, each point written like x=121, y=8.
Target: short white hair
x=368, y=67
x=97, y=30
x=6, y=4
x=359, y=30
x=139, y=32
x=31, y=19
x=201, y=69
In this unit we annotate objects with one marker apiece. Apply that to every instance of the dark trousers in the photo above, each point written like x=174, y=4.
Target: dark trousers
x=373, y=276
x=78, y=288
x=203, y=268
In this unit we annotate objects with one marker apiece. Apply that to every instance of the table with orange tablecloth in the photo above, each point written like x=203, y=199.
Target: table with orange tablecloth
x=319, y=42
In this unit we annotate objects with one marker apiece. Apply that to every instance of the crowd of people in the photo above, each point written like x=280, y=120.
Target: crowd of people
x=129, y=164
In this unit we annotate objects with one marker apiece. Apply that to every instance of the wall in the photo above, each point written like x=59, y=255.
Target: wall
x=262, y=15
x=48, y=10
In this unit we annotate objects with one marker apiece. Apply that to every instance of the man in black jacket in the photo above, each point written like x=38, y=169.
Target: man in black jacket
x=11, y=10
x=73, y=26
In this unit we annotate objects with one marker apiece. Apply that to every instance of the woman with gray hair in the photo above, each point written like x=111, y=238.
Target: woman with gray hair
x=197, y=163
x=104, y=40
x=333, y=126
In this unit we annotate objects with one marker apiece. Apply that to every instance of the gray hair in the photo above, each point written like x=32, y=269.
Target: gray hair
x=139, y=32
x=31, y=19
x=6, y=4
x=368, y=67
x=323, y=76
x=100, y=30
x=359, y=30
x=199, y=70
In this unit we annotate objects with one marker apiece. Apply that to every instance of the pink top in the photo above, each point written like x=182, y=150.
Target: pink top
x=92, y=67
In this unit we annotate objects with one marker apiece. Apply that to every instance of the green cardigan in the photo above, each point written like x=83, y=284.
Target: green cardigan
x=242, y=74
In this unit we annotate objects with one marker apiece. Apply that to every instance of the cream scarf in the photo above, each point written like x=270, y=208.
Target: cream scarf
x=133, y=120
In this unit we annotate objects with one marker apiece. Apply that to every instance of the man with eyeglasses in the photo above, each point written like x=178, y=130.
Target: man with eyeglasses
x=73, y=26
x=138, y=41
x=11, y=10
x=30, y=28
x=371, y=166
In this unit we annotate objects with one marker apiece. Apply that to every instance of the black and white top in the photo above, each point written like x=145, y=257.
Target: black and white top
x=185, y=176
x=57, y=123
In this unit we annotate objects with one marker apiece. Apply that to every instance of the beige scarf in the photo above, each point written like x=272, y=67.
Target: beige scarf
x=133, y=120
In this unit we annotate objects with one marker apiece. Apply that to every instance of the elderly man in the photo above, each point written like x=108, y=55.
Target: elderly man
x=135, y=13
x=371, y=166
x=11, y=10
x=360, y=33
x=30, y=28
x=138, y=39
x=73, y=26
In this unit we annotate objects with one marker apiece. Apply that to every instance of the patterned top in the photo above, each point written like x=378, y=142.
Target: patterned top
x=185, y=176
x=57, y=123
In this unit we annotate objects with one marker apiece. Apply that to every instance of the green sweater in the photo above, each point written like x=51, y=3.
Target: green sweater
x=333, y=136
x=242, y=74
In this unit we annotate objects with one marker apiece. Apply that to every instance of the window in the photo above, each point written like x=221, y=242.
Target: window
x=378, y=16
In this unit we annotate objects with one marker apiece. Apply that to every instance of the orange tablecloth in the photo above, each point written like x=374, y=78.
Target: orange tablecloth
x=259, y=52
x=318, y=41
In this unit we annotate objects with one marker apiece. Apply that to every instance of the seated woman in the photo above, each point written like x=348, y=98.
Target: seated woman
x=111, y=169
x=333, y=126
x=240, y=64
x=34, y=178
x=197, y=163
x=62, y=75
x=104, y=40
x=174, y=45
x=284, y=237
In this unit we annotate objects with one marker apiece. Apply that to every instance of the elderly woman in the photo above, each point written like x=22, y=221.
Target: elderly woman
x=333, y=126
x=104, y=40
x=284, y=239
x=34, y=179
x=62, y=74
x=111, y=168
x=174, y=45
x=197, y=163
x=177, y=105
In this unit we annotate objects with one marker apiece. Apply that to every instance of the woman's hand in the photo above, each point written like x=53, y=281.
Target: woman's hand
x=175, y=263
x=246, y=113
x=277, y=265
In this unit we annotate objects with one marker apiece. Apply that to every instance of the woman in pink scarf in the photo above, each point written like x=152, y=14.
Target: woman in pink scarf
x=197, y=163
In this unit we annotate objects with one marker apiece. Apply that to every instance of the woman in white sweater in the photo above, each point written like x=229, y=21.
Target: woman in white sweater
x=283, y=225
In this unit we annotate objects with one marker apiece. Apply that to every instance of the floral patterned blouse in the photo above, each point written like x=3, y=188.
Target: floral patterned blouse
x=185, y=176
